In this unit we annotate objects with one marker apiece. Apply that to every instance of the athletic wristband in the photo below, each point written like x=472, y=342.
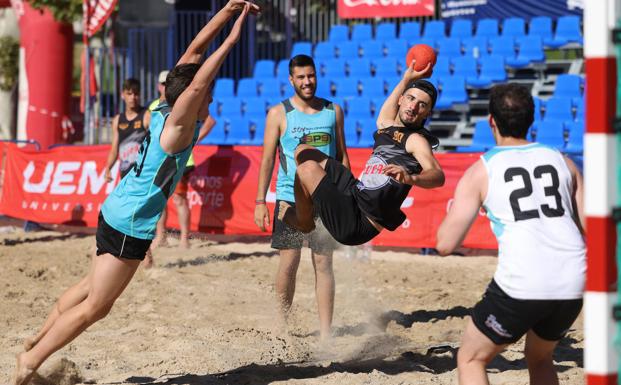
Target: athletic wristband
x=259, y=202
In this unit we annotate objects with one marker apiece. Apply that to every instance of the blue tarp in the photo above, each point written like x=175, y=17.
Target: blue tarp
x=502, y=9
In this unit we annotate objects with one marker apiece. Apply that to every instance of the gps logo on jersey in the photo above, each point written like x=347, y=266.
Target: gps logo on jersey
x=317, y=139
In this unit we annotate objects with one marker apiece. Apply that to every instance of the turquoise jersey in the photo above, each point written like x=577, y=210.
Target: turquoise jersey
x=136, y=204
x=317, y=130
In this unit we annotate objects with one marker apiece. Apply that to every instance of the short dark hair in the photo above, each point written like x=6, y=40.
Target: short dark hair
x=178, y=80
x=512, y=107
x=301, y=61
x=131, y=84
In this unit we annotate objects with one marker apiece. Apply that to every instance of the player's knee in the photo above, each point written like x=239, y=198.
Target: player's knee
x=96, y=310
x=323, y=264
x=306, y=169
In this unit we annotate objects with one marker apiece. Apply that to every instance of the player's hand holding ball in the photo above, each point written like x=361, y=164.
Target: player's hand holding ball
x=420, y=60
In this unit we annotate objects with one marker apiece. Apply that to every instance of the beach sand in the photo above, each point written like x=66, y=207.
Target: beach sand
x=206, y=316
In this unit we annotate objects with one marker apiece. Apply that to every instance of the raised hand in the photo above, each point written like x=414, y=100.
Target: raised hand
x=237, y=27
x=411, y=74
x=238, y=5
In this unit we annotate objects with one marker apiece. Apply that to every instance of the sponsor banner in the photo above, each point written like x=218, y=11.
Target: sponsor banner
x=502, y=9
x=66, y=185
x=362, y=9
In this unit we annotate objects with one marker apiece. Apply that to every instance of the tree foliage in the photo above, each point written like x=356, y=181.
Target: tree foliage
x=9, y=61
x=65, y=11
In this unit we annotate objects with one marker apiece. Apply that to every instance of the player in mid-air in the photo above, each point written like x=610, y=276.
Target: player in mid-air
x=129, y=215
x=355, y=211
x=533, y=197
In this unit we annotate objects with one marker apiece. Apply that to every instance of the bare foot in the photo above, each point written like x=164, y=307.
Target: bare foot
x=29, y=343
x=23, y=374
x=286, y=214
x=147, y=262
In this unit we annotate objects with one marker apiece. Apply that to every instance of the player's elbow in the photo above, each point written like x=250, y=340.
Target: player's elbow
x=439, y=179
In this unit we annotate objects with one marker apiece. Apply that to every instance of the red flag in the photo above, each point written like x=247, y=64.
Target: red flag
x=96, y=12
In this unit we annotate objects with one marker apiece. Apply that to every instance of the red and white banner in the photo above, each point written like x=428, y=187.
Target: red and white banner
x=96, y=12
x=66, y=185
x=354, y=9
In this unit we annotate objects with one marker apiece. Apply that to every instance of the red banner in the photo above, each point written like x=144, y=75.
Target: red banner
x=352, y=9
x=96, y=12
x=66, y=185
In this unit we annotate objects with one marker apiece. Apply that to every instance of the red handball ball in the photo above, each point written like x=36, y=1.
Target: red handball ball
x=423, y=54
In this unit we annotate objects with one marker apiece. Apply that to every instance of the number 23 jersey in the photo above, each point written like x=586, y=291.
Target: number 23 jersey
x=541, y=252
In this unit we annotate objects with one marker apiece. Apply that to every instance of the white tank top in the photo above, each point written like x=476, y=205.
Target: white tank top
x=541, y=252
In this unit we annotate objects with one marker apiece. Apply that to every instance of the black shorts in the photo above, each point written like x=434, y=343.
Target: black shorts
x=504, y=319
x=111, y=241
x=337, y=208
x=286, y=237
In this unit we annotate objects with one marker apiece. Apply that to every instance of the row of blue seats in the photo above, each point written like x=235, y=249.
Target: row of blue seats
x=530, y=47
x=568, y=30
x=565, y=136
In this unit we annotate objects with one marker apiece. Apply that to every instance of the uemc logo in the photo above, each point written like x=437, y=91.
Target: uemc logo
x=317, y=139
x=65, y=178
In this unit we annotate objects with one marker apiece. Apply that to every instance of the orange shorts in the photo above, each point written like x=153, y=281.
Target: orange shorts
x=182, y=186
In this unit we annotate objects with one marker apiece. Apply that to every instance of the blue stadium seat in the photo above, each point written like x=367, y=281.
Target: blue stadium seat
x=575, y=142
x=530, y=51
x=453, y=92
x=324, y=88
x=386, y=31
x=302, y=48
x=264, y=69
x=346, y=87
x=372, y=49
x=372, y=87
x=333, y=68
x=385, y=67
x=503, y=46
x=558, y=109
x=348, y=49
x=324, y=50
x=467, y=67
x=442, y=67
x=483, y=138
x=538, y=113
x=493, y=68
x=351, y=132
x=282, y=70
x=362, y=32
x=550, y=133
x=425, y=40
x=476, y=46
x=217, y=134
x=541, y=26
x=397, y=48
x=224, y=88
x=514, y=27
x=247, y=87
x=391, y=83
x=580, y=110
x=376, y=105
x=367, y=129
x=359, y=68
x=359, y=108
x=434, y=29
x=237, y=130
x=270, y=87
x=340, y=101
x=409, y=30
x=568, y=31
x=568, y=86
x=254, y=107
x=230, y=107
x=271, y=102
x=338, y=33
x=461, y=28
x=257, y=131
x=487, y=28
x=450, y=47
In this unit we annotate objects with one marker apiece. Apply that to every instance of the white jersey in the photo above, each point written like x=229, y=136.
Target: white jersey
x=541, y=252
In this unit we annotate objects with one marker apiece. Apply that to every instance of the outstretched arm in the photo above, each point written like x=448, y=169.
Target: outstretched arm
x=389, y=109
x=197, y=48
x=179, y=127
x=464, y=209
x=432, y=175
